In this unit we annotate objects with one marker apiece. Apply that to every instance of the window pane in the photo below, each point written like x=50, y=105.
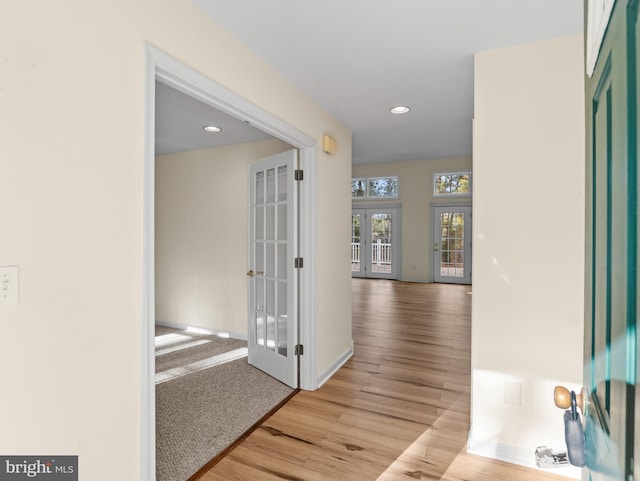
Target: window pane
x=271, y=185
x=270, y=264
x=452, y=183
x=259, y=259
x=355, y=243
x=259, y=187
x=357, y=188
x=271, y=222
x=282, y=261
x=282, y=336
x=259, y=219
x=282, y=183
x=282, y=222
x=383, y=187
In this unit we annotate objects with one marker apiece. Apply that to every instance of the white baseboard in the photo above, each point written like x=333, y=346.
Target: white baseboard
x=516, y=455
x=215, y=332
x=335, y=366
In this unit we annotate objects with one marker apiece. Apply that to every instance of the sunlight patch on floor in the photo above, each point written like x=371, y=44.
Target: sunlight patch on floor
x=177, y=372
x=179, y=347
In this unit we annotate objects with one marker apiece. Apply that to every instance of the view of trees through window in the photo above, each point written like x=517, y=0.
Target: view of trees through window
x=457, y=183
x=358, y=187
x=375, y=187
x=383, y=187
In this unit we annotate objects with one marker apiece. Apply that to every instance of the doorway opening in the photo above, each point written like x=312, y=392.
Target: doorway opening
x=169, y=71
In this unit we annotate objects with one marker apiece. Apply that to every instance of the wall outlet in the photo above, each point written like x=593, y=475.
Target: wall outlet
x=9, y=285
x=513, y=393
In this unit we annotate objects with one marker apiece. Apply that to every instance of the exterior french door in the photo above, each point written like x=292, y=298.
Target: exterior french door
x=452, y=244
x=375, y=243
x=273, y=286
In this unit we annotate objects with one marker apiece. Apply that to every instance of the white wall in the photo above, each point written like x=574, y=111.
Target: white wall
x=202, y=203
x=415, y=181
x=72, y=149
x=528, y=236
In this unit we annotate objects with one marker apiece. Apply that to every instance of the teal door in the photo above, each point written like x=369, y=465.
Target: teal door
x=611, y=254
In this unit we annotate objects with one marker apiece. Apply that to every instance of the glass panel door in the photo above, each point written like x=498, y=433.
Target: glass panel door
x=375, y=245
x=380, y=235
x=271, y=274
x=357, y=242
x=452, y=245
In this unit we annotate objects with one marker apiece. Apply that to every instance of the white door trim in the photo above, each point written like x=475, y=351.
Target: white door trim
x=160, y=66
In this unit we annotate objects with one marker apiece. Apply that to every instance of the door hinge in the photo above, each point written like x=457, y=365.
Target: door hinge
x=298, y=263
x=299, y=350
x=298, y=174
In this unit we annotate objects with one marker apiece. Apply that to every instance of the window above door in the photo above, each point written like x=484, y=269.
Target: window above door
x=452, y=184
x=375, y=187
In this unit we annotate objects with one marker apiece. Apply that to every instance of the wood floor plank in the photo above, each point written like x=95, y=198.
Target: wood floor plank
x=398, y=410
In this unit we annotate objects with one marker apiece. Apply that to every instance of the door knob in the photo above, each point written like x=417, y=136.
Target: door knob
x=250, y=273
x=562, y=398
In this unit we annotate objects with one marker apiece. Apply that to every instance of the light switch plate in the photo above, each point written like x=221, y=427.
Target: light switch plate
x=513, y=393
x=9, y=285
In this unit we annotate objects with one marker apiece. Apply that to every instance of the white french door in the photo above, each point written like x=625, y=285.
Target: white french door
x=375, y=243
x=452, y=244
x=272, y=276
x=357, y=243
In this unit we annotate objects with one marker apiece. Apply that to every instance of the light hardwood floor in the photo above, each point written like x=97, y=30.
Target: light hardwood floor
x=398, y=410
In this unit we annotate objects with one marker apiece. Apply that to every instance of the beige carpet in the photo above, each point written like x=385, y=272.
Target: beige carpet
x=206, y=397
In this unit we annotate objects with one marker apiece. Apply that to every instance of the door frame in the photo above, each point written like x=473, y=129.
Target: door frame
x=433, y=206
x=170, y=71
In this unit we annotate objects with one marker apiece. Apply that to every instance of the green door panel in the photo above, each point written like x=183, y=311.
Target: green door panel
x=611, y=260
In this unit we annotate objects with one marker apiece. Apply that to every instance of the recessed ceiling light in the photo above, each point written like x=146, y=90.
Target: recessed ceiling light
x=400, y=109
x=211, y=128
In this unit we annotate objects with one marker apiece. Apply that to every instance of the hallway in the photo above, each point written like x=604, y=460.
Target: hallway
x=399, y=408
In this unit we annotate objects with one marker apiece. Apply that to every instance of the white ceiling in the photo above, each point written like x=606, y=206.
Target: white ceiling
x=358, y=58
x=180, y=120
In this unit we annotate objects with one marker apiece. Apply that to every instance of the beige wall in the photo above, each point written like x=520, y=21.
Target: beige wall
x=528, y=243
x=415, y=181
x=72, y=147
x=201, y=235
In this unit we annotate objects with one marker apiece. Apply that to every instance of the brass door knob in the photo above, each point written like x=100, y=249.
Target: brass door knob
x=562, y=398
x=250, y=273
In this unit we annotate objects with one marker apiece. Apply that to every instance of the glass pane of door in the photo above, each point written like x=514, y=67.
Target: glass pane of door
x=452, y=244
x=357, y=219
x=381, y=259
